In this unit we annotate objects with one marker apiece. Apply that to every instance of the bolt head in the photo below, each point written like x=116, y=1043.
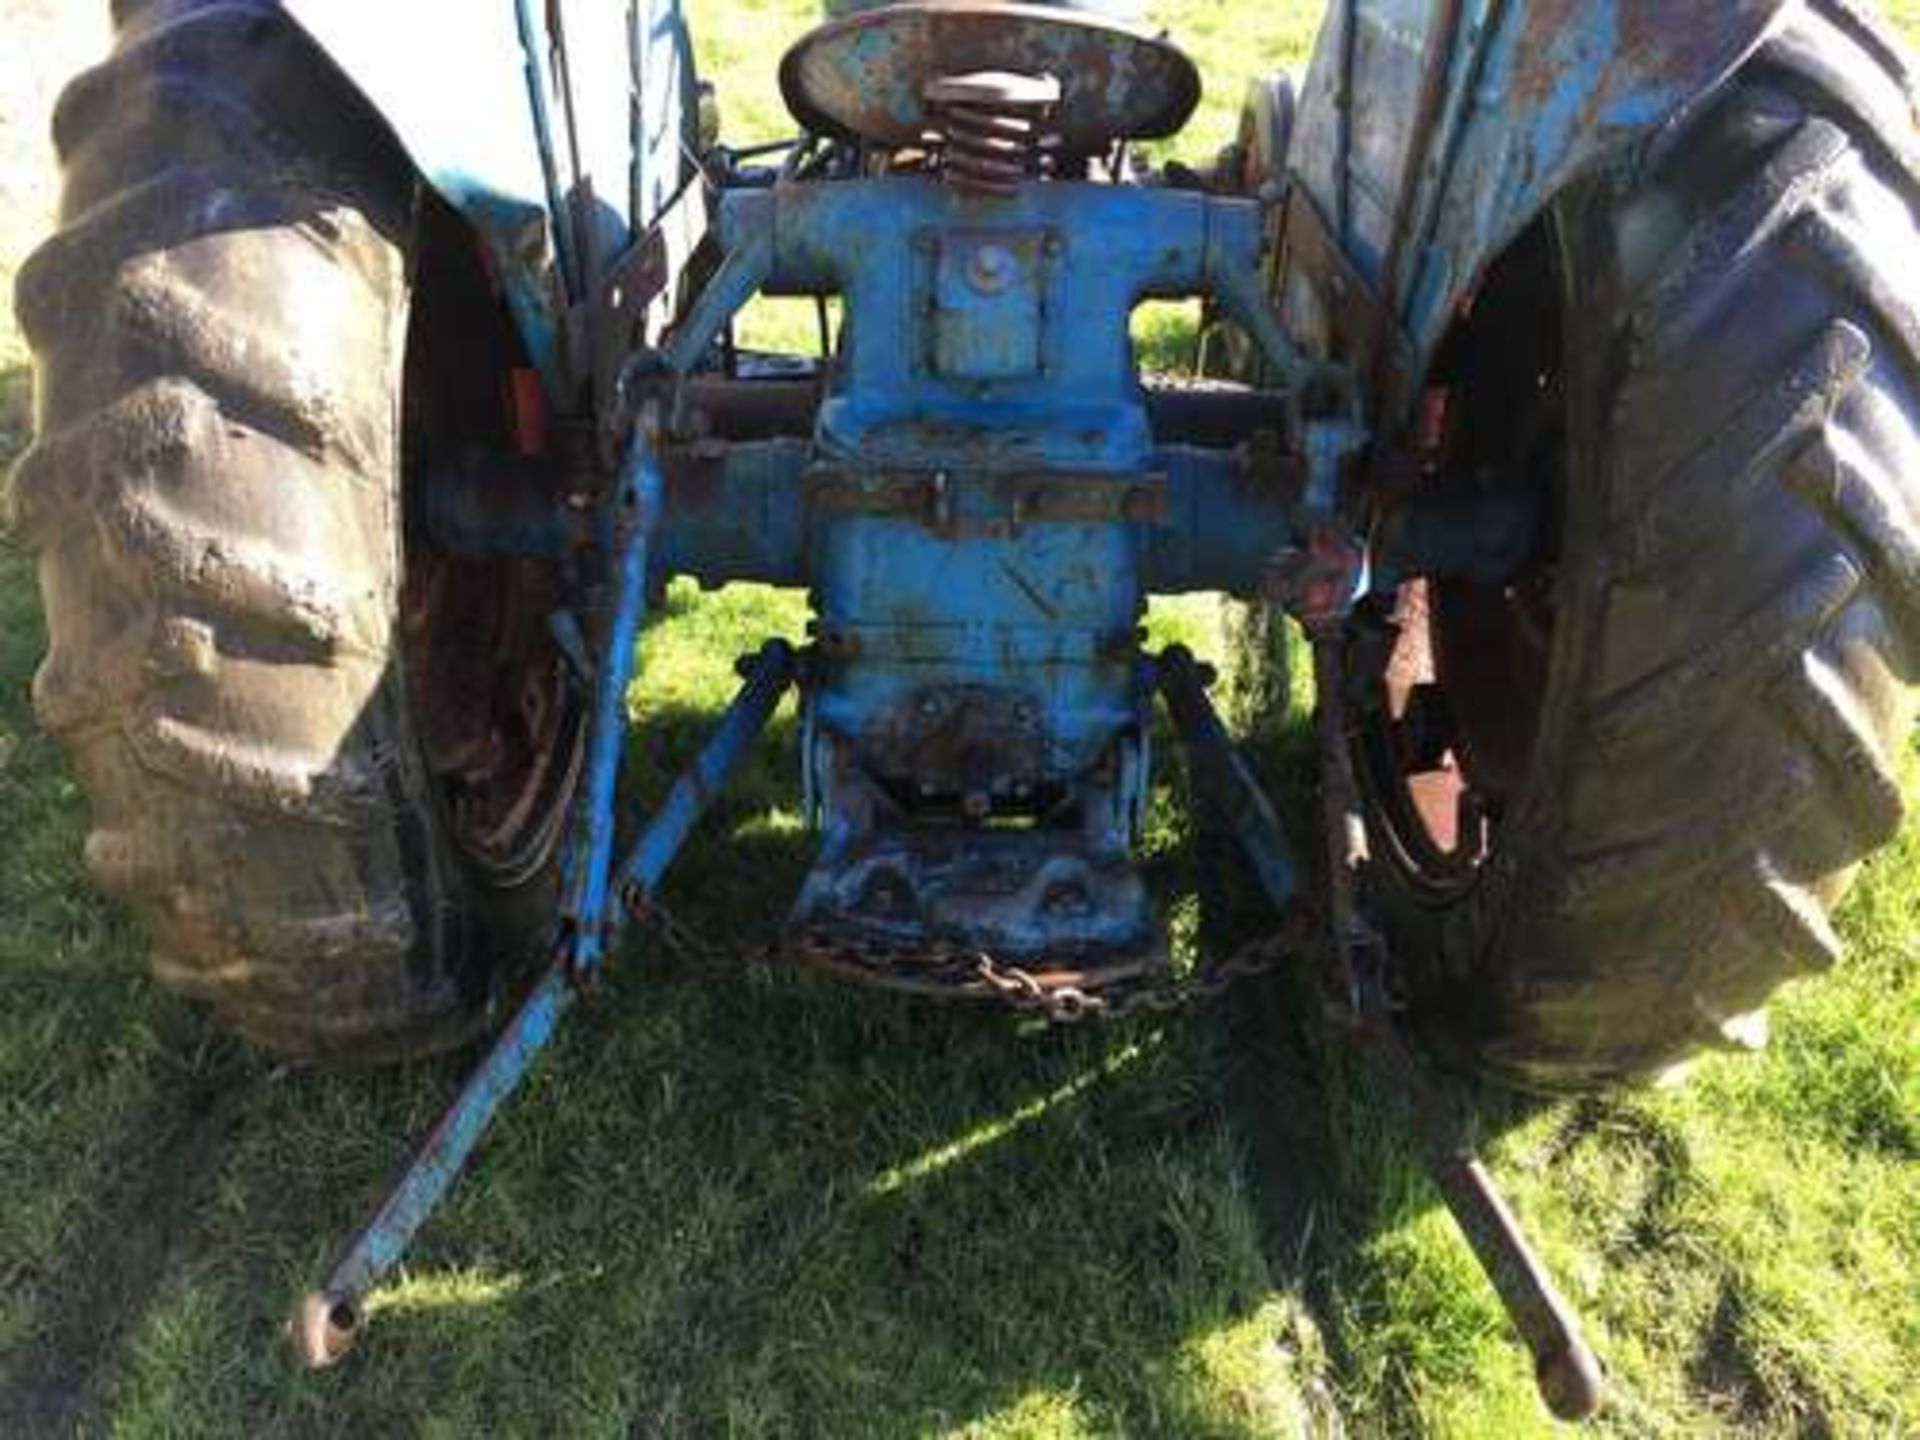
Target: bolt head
x=991, y=269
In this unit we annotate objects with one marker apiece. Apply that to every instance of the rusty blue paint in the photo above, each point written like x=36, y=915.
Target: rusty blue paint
x=490, y=133
x=982, y=509
x=863, y=75
x=631, y=520
x=1223, y=525
x=1563, y=87
x=1085, y=257
x=995, y=513
x=746, y=511
x=379, y=1245
x=1538, y=93
x=982, y=504
x=740, y=514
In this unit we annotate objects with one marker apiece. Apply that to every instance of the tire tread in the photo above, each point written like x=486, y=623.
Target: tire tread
x=214, y=495
x=1742, y=665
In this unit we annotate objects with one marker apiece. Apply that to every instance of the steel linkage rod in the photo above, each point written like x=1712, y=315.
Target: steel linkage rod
x=767, y=676
x=634, y=519
x=328, y=1319
x=1565, y=1368
x=567, y=260
x=1222, y=774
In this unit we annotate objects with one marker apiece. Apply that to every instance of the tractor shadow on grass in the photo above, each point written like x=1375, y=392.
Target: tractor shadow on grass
x=734, y=1198
x=119, y=1100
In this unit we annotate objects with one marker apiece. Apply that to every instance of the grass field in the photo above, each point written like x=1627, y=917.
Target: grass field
x=739, y=1202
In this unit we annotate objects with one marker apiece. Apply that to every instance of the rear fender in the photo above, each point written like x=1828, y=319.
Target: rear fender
x=1423, y=149
x=456, y=81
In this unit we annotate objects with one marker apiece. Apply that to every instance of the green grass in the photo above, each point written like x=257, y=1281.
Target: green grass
x=734, y=1201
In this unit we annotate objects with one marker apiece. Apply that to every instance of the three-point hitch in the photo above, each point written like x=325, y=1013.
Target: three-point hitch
x=980, y=497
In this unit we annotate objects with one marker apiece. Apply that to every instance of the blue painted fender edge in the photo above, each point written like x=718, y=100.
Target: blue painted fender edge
x=1537, y=94
x=457, y=81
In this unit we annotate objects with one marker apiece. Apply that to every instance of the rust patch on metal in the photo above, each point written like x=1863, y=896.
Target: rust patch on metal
x=693, y=476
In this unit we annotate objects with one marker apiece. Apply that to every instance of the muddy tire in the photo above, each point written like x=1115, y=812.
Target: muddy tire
x=1681, y=731
x=221, y=328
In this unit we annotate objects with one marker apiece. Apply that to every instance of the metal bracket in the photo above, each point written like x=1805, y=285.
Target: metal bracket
x=996, y=505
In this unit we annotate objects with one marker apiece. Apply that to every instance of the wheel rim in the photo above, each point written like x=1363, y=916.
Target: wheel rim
x=1458, y=689
x=1458, y=709
x=500, y=717
x=494, y=702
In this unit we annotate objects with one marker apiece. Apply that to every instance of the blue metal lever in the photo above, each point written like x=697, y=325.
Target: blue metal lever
x=771, y=671
x=327, y=1319
x=634, y=518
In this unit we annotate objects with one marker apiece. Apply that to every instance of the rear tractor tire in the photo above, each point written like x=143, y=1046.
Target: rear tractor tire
x=324, y=763
x=1614, y=801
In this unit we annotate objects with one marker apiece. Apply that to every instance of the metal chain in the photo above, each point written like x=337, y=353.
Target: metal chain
x=951, y=972
x=972, y=974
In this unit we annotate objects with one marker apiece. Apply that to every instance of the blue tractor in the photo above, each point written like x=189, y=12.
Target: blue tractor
x=1559, y=380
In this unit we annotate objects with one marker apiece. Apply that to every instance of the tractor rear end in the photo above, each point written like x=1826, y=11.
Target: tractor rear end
x=386, y=707
x=980, y=498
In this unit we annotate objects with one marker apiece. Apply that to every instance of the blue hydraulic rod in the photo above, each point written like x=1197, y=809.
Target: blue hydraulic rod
x=767, y=678
x=328, y=1318
x=636, y=515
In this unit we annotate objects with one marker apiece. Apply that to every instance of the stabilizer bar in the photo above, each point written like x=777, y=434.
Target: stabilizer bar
x=1565, y=1368
x=327, y=1320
